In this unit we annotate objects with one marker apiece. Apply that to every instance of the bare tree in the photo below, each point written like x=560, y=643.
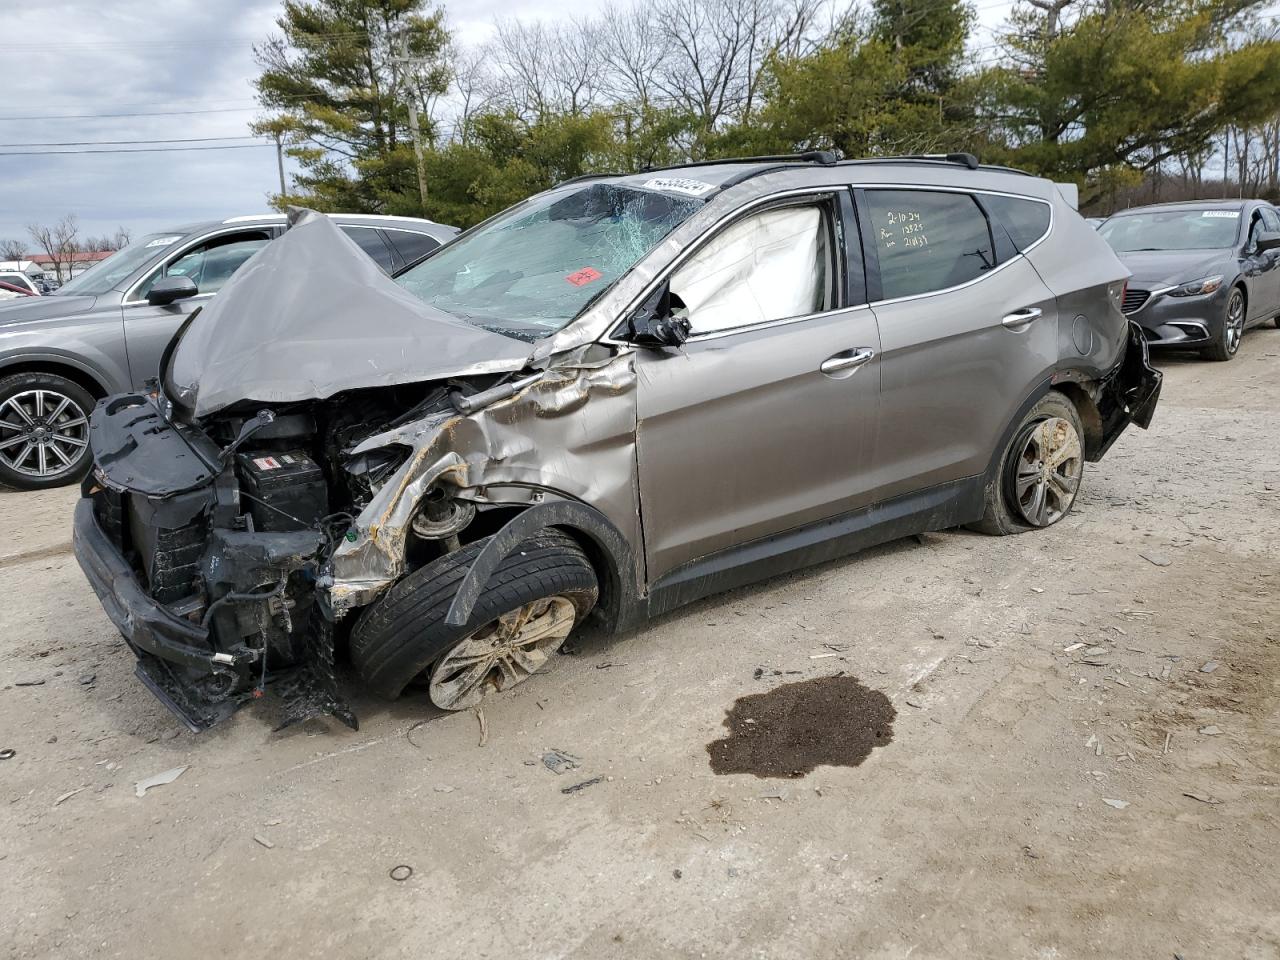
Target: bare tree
x=13, y=250
x=60, y=241
x=543, y=68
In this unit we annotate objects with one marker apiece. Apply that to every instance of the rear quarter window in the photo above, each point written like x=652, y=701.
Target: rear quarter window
x=1025, y=220
x=412, y=246
x=927, y=241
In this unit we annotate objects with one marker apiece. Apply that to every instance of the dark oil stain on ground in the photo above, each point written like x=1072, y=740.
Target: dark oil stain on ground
x=787, y=732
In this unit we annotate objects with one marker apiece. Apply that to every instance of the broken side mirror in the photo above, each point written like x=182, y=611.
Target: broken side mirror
x=657, y=325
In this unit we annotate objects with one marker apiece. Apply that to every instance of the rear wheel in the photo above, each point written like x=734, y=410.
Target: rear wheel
x=537, y=595
x=44, y=431
x=1228, y=342
x=1040, y=471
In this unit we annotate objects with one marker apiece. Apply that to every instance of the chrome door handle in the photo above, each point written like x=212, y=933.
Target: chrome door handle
x=1021, y=318
x=848, y=360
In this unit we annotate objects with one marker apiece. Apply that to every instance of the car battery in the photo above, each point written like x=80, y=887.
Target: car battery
x=282, y=491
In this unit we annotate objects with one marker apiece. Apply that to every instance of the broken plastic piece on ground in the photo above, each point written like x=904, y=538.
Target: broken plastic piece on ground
x=557, y=761
x=158, y=780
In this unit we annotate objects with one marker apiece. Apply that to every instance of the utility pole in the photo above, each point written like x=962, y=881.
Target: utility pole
x=414, y=133
x=280, y=161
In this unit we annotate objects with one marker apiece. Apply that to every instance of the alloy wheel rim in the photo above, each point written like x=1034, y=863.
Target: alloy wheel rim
x=501, y=654
x=43, y=433
x=1047, y=472
x=1235, y=322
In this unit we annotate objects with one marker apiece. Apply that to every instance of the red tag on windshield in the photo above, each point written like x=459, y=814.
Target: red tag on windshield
x=584, y=276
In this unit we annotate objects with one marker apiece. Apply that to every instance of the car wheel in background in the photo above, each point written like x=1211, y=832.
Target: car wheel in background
x=44, y=431
x=536, y=596
x=1228, y=342
x=1040, y=470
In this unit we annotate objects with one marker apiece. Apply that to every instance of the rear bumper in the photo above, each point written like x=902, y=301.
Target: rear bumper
x=1129, y=393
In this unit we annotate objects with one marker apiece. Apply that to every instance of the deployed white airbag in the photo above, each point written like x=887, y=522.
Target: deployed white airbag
x=767, y=267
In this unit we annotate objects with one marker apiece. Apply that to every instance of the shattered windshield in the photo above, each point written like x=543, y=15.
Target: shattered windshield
x=533, y=270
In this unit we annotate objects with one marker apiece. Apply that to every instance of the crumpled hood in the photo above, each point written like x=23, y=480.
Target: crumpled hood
x=1167, y=267
x=310, y=315
x=42, y=308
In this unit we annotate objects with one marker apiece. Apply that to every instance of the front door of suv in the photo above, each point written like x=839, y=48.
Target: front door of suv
x=763, y=421
x=967, y=330
x=209, y=262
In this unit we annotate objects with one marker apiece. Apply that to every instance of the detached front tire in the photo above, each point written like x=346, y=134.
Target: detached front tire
x=537, y=595
x=44, y=431
x=1040, y=470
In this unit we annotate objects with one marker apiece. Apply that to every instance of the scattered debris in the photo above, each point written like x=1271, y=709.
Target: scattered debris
x=68, y=795
x=1203, y=798
x=583, y=785
x=29, y=682
x=1072, y=648
x=912, y=702
x=1210, y=731
x=822, y=656
x=1159, y=559
x=262, y=841
x=557, y=761
x=758, y=674
x=607, y=666
x=158, y=780
x=1209, y=667
x=1167, y=738
x=8, y=753
x=484, y=727
x=677, y=874
x=444, y=788
x=1118, y=804
x=1029, y=853
x=408, y=734
x=401, y=873
x=88, y=678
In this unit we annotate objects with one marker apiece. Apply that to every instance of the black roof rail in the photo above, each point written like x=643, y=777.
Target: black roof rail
x=826, y=158
x=967, y=160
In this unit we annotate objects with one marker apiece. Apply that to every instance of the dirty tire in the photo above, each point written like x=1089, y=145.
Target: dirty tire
x=63, y=439
x=403, y=633
x=1233, y=320
x=1002, y=517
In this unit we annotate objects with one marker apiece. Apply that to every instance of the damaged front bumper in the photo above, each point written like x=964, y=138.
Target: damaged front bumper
x=212, y=613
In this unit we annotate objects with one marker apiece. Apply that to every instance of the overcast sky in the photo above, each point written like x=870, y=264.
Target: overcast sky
x=90, y=57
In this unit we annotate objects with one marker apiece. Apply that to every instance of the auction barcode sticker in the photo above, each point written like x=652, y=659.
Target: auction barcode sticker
x=694, y=188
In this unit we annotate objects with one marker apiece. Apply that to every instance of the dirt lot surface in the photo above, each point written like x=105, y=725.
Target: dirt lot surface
x=1069, y=774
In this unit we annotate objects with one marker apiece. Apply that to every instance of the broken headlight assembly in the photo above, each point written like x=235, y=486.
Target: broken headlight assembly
x=1196, y=288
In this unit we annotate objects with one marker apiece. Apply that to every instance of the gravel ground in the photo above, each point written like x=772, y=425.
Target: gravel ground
x=1069, y=775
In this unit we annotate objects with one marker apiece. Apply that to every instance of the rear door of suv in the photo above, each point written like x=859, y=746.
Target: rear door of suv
x=967, y=328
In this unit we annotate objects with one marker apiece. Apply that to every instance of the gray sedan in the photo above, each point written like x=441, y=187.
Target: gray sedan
x=105, y=330
x=1203, y=271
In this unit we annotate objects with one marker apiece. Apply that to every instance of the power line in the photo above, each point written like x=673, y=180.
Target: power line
x=105, y=143
x=60, y=153
x=117, y=116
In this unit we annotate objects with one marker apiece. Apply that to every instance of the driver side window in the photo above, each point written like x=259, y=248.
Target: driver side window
x=772, y=265
x=209, y=264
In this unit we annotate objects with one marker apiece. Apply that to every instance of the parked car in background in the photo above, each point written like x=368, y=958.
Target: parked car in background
x=104, y=330
x=44, y=282
x=22, y=281
x=1204, y=272
x=621, y=395
x=9, y=291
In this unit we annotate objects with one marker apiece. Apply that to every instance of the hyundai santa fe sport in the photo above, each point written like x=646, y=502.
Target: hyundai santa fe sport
x=618, y=396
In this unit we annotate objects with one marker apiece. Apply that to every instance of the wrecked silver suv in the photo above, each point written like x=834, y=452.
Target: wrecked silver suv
x=619, y=396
